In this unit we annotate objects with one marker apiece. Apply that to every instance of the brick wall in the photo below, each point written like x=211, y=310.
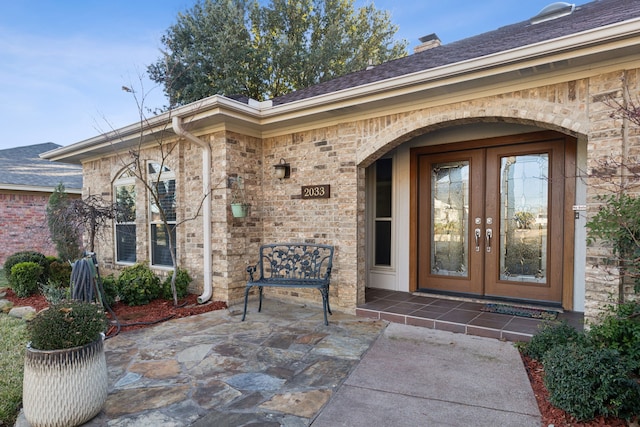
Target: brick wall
x=337, y=154
x=24, y=223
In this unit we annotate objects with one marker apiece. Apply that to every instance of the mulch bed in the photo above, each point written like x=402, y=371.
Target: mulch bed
x=161, y=310
x=136, y=317
x=157, y=311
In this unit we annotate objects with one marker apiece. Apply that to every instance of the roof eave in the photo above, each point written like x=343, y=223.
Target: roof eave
x=144, y=130
x=595, y=40
x=262, y=117
x=37, y=188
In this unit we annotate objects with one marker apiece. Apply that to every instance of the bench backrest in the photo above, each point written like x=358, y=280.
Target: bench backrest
x=296, y=261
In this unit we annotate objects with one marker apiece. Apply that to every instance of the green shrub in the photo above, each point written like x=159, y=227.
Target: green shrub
x=27, y=256
x=25, y=277
x=137, y=285
x=587, y=381
x=550, y=336
x=67, y=324
x=619, y=329
x=60, y=273
x=182, y=284
x=54, y=293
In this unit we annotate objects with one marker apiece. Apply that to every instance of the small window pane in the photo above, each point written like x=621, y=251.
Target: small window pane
x=126, y=202
x=383, y=243
x=166, y=191
x=383, y=188
x=126, y=242
x=160, y=254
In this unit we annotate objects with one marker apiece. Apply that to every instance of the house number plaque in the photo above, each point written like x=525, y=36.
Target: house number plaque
x=316, y=191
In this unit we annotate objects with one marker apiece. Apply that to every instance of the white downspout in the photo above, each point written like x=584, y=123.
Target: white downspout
x=206, y=214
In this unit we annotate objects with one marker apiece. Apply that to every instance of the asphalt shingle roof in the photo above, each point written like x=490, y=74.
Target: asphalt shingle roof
x=23, y=166
x=585, y=17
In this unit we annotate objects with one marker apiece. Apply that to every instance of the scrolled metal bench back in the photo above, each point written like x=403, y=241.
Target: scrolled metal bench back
x=296, y=261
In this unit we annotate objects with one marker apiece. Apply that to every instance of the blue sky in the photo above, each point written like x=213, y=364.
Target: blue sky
x=63, y=63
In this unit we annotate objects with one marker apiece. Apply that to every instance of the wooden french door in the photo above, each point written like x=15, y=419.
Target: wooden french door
x=490, y=221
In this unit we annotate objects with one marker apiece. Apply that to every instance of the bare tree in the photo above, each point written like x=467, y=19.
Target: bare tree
x=152, y=174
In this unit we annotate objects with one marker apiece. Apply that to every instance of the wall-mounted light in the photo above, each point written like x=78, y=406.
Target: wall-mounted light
x=282, y=170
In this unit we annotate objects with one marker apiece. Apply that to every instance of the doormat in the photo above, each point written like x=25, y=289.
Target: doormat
x=520, y=311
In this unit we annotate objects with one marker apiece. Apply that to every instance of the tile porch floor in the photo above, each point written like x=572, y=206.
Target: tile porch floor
x=454, y=315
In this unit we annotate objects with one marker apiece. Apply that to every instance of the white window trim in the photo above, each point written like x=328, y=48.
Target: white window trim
x=372, y=218
x=119, y=182
x=169, y=174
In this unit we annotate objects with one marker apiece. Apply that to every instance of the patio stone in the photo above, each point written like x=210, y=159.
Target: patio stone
x=135, y=400
x=303, y=404
x=278, y=367
x=162, y=369
x=255, y=382
x=215, y=394
x=289, y=370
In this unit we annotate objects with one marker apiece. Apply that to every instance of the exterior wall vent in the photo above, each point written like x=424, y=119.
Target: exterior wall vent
x=553, y=11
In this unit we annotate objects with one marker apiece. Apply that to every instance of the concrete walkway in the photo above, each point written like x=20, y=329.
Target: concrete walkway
x=414, y=376
x=283, y=367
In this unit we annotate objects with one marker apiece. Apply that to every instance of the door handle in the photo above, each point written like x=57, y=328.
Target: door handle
x=489, y=236
x=478, y=233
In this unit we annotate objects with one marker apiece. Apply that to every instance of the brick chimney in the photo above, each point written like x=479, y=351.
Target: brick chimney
x=427, y=42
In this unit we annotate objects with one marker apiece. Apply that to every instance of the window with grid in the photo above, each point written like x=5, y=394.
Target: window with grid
x=162, y=214
x=125, y=220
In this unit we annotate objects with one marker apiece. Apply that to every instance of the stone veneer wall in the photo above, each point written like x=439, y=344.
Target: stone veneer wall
x=337, y=155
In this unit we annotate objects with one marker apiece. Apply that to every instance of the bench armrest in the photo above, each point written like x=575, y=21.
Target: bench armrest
x=252, y=269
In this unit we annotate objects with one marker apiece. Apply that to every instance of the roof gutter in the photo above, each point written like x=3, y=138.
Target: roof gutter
x=176, y=123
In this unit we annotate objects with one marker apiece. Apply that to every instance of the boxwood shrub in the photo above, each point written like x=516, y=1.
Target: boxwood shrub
x=27, y=256
x=60, y=273
x=587, y=381
x=182, y=284
x=138, y=285
x=550, y=336
x=25, y=277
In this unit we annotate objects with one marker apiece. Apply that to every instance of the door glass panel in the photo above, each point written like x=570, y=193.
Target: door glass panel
x=449, y=218
x=524, y=203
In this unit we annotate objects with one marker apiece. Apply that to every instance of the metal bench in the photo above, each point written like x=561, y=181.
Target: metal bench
x=292, y=265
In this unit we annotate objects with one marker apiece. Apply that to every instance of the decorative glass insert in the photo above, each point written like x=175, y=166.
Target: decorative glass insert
x=524, y=209
x=450, y=218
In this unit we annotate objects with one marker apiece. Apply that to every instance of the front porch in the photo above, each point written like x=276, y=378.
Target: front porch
x=453, y=315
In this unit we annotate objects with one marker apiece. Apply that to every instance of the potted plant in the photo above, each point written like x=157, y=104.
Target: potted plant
x=65, y=370
x=239, y=205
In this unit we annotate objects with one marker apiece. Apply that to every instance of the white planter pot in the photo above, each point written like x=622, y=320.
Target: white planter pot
x=64, y=388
